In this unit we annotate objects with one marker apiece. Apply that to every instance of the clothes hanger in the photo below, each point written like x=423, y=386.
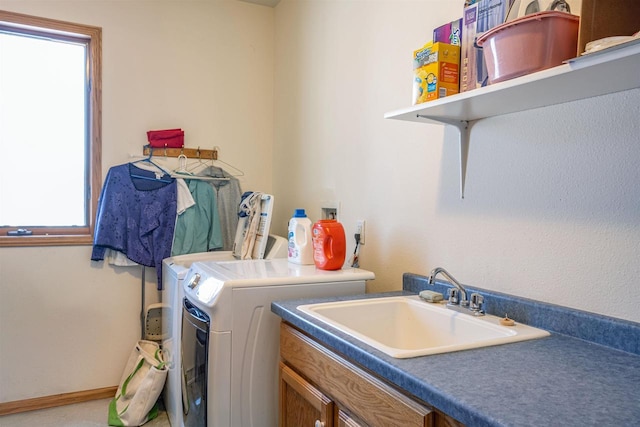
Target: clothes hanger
x=183, y=172
x=148, y=160
x=182, y=163
x=236, y=172
x=182, y=166
x=199, y=163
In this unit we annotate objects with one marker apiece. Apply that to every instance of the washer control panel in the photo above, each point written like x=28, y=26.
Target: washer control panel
x=202, y=287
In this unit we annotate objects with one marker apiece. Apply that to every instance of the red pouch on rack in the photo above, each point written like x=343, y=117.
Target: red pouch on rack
x=168, y=138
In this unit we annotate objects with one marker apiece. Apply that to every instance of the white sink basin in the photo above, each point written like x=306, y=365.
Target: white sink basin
x=407, y=326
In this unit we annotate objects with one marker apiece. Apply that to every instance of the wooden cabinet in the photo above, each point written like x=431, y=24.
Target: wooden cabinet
x=319, y=388
x=301, y=404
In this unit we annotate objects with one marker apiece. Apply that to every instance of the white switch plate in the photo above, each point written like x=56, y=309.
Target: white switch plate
x=360, y=229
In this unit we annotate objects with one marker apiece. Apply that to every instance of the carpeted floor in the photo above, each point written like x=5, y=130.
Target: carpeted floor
x=87, y=414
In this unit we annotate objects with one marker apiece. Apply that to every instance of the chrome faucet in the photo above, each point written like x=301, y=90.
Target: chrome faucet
x=459, y=294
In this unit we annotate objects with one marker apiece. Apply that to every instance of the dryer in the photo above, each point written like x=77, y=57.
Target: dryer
x=174, y=270
x=230, y=337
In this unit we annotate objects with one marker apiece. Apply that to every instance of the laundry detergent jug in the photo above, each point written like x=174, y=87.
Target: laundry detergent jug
x=329, y=244
x=300, y=244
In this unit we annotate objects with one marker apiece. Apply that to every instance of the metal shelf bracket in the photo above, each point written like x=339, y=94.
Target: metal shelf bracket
x=464, y=127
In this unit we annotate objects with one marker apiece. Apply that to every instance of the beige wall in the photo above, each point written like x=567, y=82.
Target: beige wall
x=552, y=205
x=551, y=209
x=66, y=323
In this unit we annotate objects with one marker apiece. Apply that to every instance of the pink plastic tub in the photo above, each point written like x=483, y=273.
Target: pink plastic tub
x=528, y=44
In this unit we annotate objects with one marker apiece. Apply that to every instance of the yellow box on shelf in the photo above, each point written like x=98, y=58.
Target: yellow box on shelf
x=436, y=70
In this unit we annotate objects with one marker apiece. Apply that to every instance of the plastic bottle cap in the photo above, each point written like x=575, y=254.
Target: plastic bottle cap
x=300, y=213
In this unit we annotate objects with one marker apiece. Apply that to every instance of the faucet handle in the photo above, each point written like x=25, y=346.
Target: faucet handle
x=454, y=296
x=476, y=303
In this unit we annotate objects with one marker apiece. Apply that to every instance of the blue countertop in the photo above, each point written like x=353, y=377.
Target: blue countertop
x=557, y=380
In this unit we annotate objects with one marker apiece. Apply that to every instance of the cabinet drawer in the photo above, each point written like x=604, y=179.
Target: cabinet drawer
x=368, y=398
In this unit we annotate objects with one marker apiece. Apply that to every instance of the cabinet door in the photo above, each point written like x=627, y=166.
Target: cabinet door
x=301, y=404
x=358, y=392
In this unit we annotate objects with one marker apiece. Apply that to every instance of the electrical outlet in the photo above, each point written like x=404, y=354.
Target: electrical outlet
x=360, y=229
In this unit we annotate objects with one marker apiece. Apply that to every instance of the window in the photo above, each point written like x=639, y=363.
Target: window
x=50, y=130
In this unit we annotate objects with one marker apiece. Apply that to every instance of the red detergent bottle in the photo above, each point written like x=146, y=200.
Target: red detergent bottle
x=329, y=244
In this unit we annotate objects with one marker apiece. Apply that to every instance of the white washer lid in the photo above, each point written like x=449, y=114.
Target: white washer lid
x=275, y=272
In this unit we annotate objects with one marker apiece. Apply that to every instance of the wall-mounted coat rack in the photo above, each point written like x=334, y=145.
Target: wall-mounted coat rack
x=192, y=153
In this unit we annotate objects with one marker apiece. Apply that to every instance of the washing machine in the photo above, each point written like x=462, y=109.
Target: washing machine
x=174, y=270
x=230, y=337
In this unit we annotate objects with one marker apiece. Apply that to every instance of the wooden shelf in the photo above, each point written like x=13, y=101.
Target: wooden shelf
x=612, y=70
x=191, y=153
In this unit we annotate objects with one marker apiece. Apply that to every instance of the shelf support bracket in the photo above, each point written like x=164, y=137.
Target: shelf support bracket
x=463, y=127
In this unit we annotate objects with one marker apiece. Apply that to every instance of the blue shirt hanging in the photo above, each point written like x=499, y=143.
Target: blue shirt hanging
x=136, y=216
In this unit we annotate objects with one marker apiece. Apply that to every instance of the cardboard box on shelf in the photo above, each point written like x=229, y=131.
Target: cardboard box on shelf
x=436, y=71
x=476, y=19
x=606, y=18
x=450, y=33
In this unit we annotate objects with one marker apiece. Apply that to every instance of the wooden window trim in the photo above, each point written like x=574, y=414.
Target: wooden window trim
x=46, y=236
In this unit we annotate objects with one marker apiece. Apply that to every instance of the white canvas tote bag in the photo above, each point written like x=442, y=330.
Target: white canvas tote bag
x=140, y=386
